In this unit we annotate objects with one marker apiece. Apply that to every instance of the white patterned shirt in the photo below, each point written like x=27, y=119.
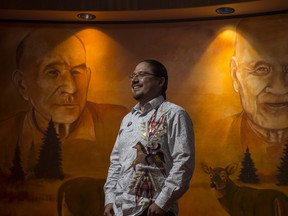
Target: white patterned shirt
x=152, y=159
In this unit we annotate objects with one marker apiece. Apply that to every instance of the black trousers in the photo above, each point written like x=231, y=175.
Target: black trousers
x=169, y=213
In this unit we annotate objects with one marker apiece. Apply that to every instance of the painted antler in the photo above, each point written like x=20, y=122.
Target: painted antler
x=245, y=201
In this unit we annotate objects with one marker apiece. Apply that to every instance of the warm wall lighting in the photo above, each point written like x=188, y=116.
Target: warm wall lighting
x=225, y=10
x=86, y=16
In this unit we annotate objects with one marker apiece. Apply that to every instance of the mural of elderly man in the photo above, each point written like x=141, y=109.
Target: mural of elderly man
x=53, y=76
x=259, y=72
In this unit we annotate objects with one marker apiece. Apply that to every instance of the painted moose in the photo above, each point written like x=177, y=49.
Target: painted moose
x=245, y=201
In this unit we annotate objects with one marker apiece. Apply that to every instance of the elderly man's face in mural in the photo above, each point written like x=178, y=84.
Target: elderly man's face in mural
x=53, y=76
x=259, y=71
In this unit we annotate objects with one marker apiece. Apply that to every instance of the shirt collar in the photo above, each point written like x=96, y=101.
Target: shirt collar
x=152, y=104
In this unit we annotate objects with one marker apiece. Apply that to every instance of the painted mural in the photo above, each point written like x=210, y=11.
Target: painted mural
x=63, y=140
x=65, y=89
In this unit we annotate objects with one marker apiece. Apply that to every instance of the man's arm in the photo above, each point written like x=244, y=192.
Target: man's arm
x=181, y=144
x=113, y=175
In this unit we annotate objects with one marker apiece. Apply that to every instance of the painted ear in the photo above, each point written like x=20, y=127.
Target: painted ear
x=205, y=168
x=231, y=168
x=18, y=80
x=88, y=73
x=233, y=73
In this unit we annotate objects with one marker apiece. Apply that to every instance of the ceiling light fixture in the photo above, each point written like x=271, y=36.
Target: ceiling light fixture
x=225, y=10
x=86, y=16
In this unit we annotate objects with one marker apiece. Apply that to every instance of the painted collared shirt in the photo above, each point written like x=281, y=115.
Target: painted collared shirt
x=152, y=159
x=83, y=152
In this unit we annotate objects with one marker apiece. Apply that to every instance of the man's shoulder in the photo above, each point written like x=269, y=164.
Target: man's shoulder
x=231, y=120
x=106, y=110
x=12, y=124
x=173, y=107
x=225, y=127
x=13, y=119
x=106, y=107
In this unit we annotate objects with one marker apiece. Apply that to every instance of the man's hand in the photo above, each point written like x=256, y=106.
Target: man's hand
x=154, y=210
x=108, y=211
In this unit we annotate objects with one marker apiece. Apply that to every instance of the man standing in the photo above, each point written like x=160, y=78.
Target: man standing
x=152, y=161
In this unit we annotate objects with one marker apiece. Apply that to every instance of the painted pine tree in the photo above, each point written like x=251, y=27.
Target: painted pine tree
x=31, y=159
x=248, y=170
x=282, y=175
x=17, y=173
x=49, y=165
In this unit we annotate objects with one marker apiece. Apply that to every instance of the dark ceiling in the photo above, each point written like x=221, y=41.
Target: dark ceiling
x=110, y=5
x=132, y=10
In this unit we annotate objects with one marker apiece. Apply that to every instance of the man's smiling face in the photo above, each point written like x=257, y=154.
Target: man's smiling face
x=144, y=84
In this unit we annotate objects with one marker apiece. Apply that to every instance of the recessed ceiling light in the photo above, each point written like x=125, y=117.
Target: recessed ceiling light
x=225, y=10
x=86, y=16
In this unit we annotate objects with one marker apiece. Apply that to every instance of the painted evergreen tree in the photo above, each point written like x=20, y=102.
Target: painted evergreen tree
x=282, y=176
x=31, y=159
x=17, y=173
x=49, y=165
x=248, y=170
